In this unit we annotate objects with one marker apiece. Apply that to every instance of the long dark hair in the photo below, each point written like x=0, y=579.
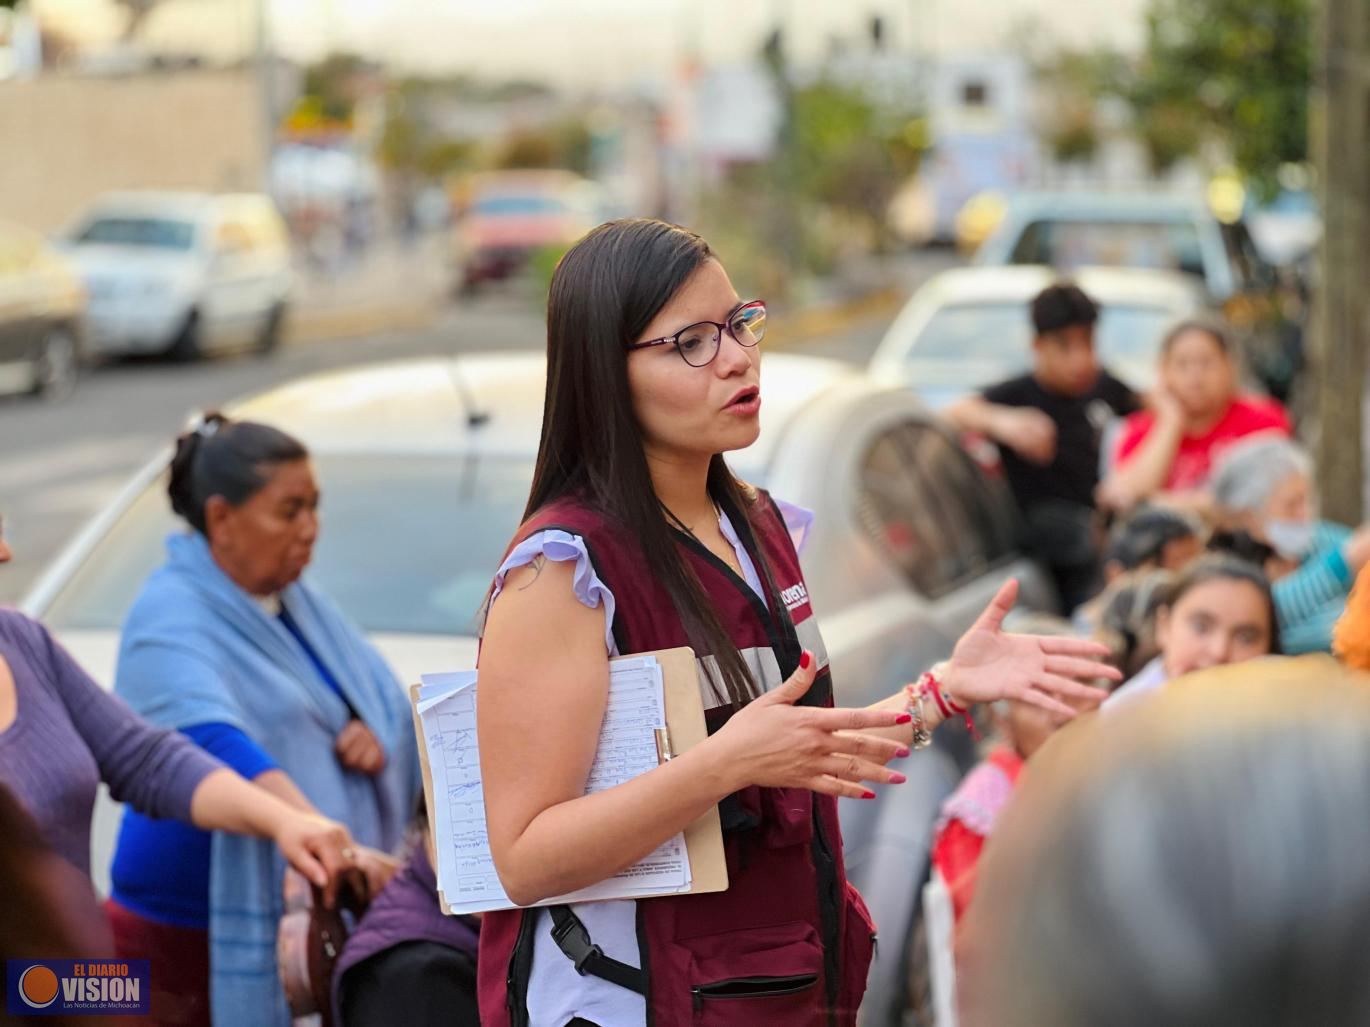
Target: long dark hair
x=233, y=459
x=1226, y=567
x=604, y=294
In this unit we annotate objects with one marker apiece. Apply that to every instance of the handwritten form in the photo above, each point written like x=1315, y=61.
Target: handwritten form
x=467, y=881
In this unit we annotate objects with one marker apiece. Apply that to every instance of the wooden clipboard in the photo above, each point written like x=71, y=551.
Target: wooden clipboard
x=685, y=723
x=685, y=728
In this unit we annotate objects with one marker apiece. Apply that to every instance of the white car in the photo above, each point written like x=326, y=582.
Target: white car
x=968, y=328
x=425, y=467
x=182, y=273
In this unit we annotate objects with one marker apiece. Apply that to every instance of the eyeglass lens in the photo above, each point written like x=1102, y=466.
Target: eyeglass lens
x=699, y=343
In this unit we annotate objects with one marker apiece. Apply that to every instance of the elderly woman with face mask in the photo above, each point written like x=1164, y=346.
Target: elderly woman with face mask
x=1265, y=486
x=228, y=645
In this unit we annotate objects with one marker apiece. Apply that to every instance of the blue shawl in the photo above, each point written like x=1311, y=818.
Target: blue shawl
x=198, y=649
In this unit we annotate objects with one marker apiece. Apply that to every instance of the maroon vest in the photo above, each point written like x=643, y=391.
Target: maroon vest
x=790, y=942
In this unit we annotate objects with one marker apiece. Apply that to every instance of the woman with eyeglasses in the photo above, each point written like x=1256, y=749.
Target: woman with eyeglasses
x=637, y=537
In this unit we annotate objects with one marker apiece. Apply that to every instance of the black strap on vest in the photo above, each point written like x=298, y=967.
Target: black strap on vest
x=576, y=945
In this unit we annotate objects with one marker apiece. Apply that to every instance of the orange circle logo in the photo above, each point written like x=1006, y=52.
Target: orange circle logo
x=38, y=987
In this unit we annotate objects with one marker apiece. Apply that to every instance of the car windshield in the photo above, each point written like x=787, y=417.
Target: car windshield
x=1162, y=245
x=1000, y=334
x=155, y=233
x=408, y=544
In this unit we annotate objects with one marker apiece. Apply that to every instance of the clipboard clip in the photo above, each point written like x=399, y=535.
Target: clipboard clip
x=663, y=745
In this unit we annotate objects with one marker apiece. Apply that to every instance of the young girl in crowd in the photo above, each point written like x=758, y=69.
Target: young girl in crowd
x=1220, y=610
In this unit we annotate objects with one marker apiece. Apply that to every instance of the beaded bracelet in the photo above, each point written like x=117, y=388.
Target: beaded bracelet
x=922, y=737
x=930, y=685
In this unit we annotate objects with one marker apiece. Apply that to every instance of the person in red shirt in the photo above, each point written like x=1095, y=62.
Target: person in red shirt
x=1196, y=413
x=968, y=816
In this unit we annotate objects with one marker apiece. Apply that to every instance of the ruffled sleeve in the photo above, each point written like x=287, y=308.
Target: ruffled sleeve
x=798, y=521
x=562, y=547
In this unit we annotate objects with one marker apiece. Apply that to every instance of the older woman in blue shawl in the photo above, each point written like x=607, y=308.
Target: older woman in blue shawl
x=228, y=645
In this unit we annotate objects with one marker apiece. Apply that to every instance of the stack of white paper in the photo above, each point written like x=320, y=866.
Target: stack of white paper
x=467, y=882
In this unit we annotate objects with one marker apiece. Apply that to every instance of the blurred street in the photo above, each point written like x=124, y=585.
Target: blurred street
x=63, y=461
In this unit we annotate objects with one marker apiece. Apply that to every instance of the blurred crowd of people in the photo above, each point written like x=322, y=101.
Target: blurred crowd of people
x=1183, y=529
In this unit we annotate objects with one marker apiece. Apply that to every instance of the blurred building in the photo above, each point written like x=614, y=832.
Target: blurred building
x=72, y=138
x=982, y=134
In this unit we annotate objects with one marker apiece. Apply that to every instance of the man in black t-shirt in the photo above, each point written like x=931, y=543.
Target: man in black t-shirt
x=1049, y=426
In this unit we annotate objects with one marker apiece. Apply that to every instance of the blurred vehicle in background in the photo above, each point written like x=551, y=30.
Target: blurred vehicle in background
x=1288, y=228
x=425, y=467
x=968, y=328
x=505, y=218
x=978, y=219
x=183, y=273
x=1163, y=232
x=42, y=310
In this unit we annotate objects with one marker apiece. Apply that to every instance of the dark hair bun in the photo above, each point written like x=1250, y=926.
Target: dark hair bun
x=220, y=457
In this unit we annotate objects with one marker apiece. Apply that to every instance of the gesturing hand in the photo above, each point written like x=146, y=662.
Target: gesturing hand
x=988, y=665
x=773, y=743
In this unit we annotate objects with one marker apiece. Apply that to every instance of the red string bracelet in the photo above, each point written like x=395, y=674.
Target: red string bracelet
x=930, y=686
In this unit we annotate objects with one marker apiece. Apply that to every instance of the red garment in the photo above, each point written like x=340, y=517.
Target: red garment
x=1197, y=453
x=179, y=958
x=968, y=818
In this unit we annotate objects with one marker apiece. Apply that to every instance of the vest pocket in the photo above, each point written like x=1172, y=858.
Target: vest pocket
x=763, y=975
x=858, y=949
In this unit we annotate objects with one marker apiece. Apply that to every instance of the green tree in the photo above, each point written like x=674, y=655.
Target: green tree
x=332, y=82
x=1235, y=70
x=1073, y=81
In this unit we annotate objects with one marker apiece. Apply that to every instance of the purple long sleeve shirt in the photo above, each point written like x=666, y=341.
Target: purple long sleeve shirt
x=69, y=734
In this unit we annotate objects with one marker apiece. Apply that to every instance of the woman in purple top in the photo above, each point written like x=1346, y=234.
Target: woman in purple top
x=61, y=735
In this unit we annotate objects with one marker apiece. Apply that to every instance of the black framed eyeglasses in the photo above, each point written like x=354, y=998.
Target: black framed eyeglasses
x=698, y=344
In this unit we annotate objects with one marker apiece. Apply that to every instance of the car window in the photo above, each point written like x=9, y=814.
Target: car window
x=926, y=506
x=1000, y=334
x=155, y=233
x=1068, y=244
x=515, y=205
x=408, y=544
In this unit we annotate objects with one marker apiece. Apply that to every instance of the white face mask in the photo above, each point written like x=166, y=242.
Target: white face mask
x=1291, y=539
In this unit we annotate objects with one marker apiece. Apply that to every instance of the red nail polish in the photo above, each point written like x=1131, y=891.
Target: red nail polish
x=901, y=752
x=804, y=659
x=904, y=718
x=868, y=795
x=897, y=779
